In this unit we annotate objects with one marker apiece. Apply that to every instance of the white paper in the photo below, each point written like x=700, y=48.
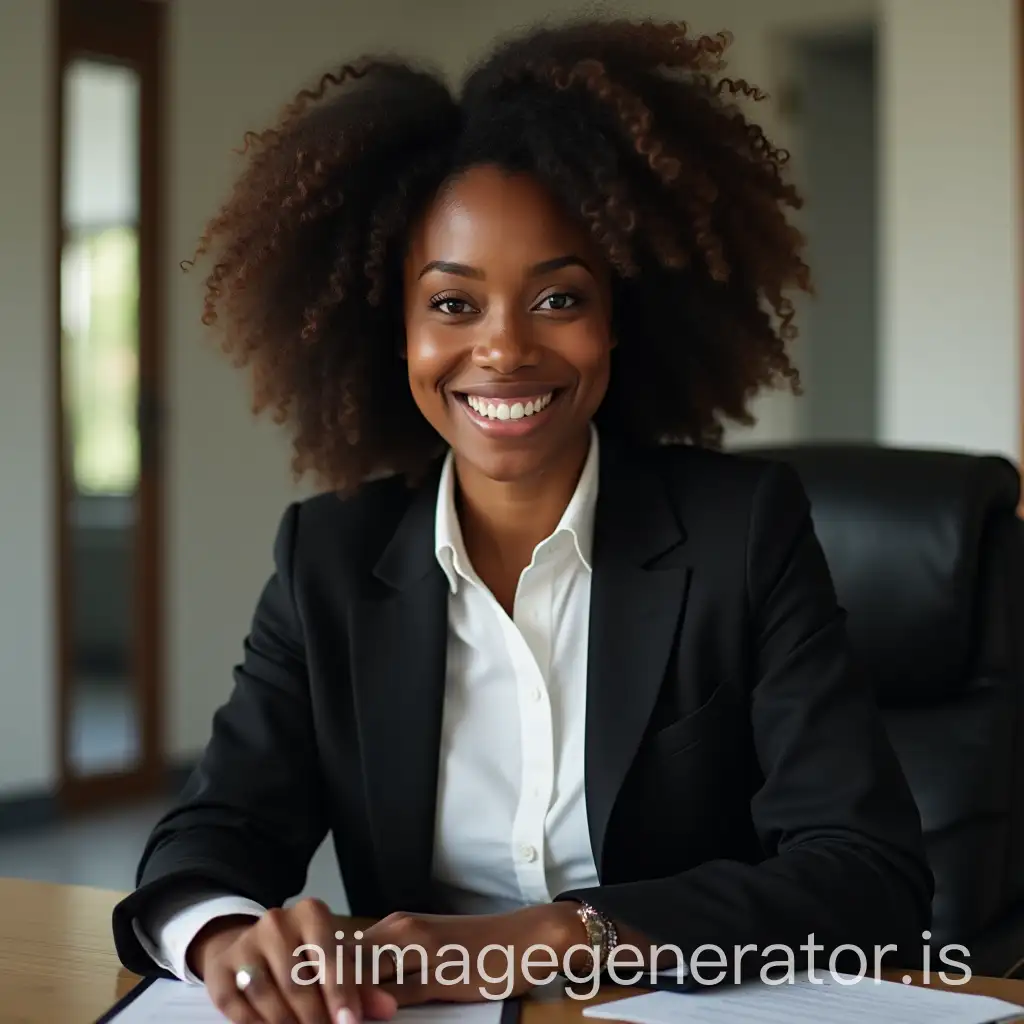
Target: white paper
x=804, y=1002
x=174, y=1002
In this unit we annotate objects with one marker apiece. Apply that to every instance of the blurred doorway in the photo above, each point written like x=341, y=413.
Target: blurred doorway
x=107, y=381
x=834, y=113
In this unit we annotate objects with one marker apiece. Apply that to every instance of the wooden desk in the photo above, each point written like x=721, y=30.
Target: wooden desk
x=58, y=966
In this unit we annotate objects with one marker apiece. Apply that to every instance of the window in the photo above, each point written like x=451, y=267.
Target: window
x=100, y=277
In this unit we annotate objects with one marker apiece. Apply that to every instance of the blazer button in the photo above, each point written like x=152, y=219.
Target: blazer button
x=527, y=853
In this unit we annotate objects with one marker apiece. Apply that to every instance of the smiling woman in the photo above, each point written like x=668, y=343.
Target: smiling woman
x=559, y=675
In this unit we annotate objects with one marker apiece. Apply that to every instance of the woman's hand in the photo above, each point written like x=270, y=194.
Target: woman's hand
x=471, y=958
x=267, y=948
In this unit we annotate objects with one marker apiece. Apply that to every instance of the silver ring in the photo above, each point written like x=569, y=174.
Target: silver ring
x=244, y=977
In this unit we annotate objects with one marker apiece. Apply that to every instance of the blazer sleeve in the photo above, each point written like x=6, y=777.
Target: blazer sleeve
x=845, y=857
x=252, y=814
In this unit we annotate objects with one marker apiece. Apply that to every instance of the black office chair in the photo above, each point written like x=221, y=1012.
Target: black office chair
x=927, y=553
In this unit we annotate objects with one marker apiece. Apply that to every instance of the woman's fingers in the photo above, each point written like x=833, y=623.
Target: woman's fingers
x=404, y=955
x=284, y=933
x=378, y=1004
x=259, y=1003
x=298, y=973
x=346, y=989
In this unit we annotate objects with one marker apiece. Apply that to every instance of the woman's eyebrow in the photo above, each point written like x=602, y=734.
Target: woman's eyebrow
x=544, y=267
x=459, y=269
x=558, y=263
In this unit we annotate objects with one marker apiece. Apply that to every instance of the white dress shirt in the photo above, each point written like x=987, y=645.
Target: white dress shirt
x=511, y=823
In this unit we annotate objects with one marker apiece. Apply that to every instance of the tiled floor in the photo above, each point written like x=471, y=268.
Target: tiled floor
x=103, y=851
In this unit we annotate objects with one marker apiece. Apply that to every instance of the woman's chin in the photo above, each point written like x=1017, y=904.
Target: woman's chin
x=507, y=466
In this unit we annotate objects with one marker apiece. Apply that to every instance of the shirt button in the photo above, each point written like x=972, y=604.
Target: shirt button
x=527, y=853
x=535, y=694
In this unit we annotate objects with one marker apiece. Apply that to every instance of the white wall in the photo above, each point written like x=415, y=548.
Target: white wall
x=950, y=222
x=233, y=63
x=27, y=692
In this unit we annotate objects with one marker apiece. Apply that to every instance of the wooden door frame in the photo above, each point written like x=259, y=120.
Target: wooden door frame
x=132, y=32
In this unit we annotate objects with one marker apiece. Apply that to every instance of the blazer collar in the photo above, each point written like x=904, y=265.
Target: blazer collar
x=409, y=555
x=636, y=520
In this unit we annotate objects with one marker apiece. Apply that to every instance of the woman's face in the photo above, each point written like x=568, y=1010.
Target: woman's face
x=507, y=320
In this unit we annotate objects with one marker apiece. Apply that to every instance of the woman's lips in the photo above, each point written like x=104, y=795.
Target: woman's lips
x=511, y=416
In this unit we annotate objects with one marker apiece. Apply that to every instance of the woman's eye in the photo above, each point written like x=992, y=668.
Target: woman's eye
x=451, y=307
x=558, y=301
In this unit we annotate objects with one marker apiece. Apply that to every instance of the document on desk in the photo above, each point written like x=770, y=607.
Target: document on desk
x=806, y=1002
x=173, y=1002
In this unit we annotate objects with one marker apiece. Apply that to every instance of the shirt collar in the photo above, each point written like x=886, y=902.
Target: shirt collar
x=577, y=522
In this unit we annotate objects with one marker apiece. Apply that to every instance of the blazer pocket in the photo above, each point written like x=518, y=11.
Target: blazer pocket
x=691, y=729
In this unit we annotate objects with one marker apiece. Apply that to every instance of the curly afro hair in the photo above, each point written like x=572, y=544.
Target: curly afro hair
x=630, y=125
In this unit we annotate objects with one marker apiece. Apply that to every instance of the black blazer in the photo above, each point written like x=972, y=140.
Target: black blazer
x=740, y=787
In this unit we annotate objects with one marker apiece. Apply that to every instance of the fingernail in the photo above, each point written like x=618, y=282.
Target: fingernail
x=346, y=1016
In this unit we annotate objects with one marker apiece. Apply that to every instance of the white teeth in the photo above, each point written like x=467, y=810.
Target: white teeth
x=504, y=411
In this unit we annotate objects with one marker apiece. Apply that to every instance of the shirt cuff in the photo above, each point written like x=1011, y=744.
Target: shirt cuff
x=168, y=932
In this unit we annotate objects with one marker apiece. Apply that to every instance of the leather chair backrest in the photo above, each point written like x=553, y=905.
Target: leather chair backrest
x=927, y=556
x=904, y=534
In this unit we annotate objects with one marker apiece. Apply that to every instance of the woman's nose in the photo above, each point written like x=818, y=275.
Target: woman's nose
x=505, y=349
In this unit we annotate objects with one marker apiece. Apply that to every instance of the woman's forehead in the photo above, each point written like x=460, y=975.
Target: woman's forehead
x=489, y=214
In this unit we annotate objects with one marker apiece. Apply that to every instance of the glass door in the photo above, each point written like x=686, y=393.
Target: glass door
x=108, y=383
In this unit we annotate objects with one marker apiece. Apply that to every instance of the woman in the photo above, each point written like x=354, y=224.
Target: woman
x=549, y=669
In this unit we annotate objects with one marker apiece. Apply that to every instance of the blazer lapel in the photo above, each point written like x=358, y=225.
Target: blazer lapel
x=637, y=595
x=398, y=637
